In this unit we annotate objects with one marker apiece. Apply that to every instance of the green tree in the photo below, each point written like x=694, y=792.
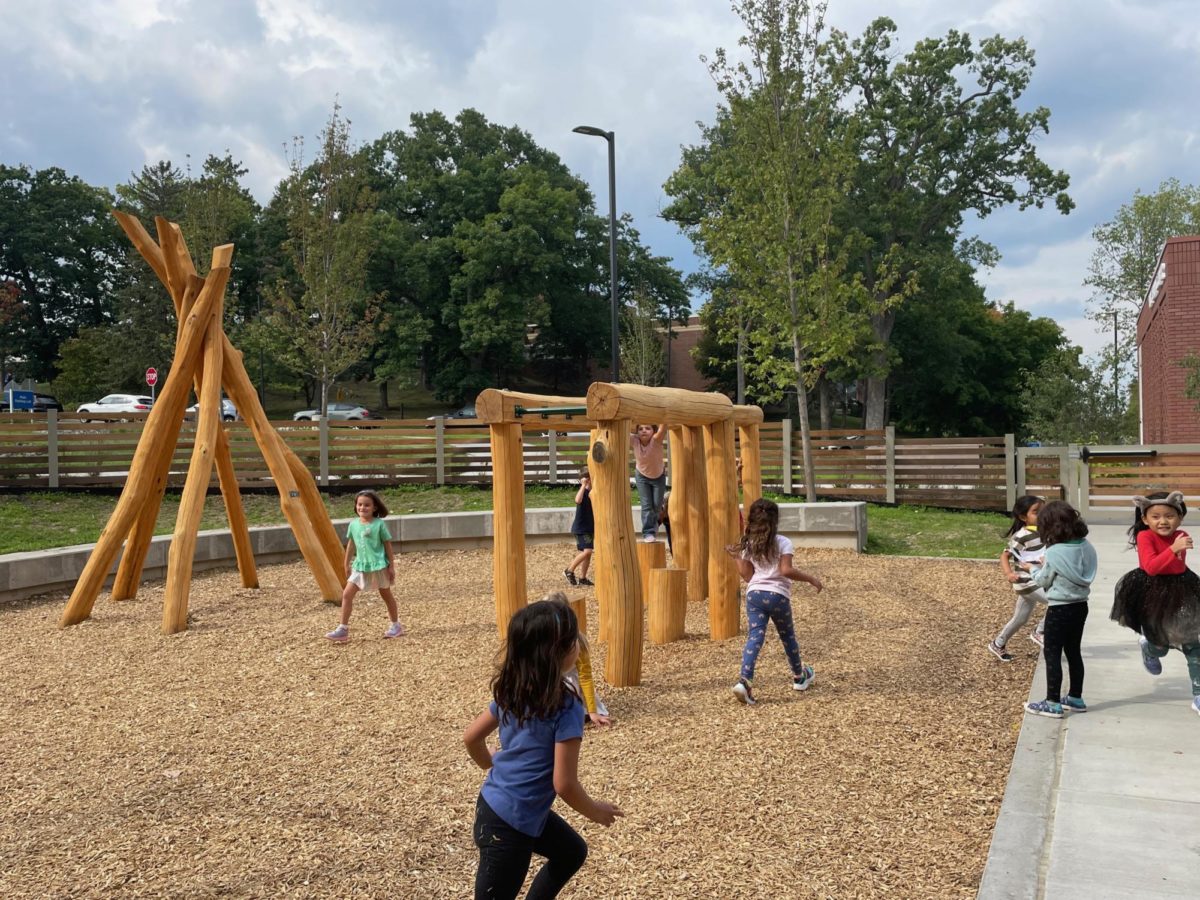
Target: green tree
x=326, y=314
x=1066, y=401
x=642, y=358
x=1123, y=263
x=933, y=148
x=59, y=251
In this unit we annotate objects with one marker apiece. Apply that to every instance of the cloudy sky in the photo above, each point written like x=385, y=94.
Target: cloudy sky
x=101, y=87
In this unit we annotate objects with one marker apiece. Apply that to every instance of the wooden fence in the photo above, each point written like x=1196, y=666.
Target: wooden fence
x=64, y=450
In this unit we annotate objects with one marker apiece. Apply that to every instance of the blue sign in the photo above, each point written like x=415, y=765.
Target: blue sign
x=18, y=400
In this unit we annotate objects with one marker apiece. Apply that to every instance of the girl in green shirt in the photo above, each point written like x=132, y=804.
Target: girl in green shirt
x=369, y=564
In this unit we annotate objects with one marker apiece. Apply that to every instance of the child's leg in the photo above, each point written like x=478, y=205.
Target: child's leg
x=348, y=596
x=1023, y=606
x=1192, y=652
x=584, y=559
x=565, y=852
x=578, y=561
x=781, y=614
x=757, y=617
x=645, y=489
x=1078, y=613
x=504, y=855
x=389, y=600
x=1056, y=635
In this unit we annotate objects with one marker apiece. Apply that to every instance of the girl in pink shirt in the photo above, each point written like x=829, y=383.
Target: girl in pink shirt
x=650, y=475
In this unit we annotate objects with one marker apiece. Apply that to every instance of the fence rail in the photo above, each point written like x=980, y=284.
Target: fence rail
x=67, y=450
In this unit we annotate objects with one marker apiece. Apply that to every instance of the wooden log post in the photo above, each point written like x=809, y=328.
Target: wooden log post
x=650, y=557
x=508, y=521
x=751, y=456
x=618, y=588
x=681, y=486
x=579, y=607
x=724, y=615
x=668, y=605
x=191, y=503
x=696, y=513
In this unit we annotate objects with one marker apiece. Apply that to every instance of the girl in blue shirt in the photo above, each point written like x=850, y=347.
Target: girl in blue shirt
x=541, y=728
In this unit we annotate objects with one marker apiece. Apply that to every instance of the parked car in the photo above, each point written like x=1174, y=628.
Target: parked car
x=44, y=402
x=119, y=403
x=345, y=412
x=228, y=410
x=463, y=412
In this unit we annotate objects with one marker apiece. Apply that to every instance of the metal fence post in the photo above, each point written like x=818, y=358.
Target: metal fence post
x=52, y=446
x=552, y=454
x=889, y=456
x=1010, y=471
x=439, y=449
x=786, y=466
x=323, y=432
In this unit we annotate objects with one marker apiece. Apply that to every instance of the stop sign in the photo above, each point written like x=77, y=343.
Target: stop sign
x=152, y=376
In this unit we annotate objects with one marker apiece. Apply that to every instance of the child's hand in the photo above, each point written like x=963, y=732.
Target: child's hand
x=815, y=582
x=606, y=813
x=598, y=719
x=1013, y=577
x=1183, y=542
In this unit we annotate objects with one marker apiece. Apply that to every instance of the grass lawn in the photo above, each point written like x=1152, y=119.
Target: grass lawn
x=37, y=521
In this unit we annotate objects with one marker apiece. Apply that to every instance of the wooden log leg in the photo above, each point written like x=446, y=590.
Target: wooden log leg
x=157, y=442
x=191, y=504
x=649, y=557
x=235, y=513
x=318, y=515
x=579, y=606
x=724, y=614
x=751, y=456
x=697, y=516
x=508, y=522
x=601, y=596
x=668, y=605
x=681, y=486
x=618, y=586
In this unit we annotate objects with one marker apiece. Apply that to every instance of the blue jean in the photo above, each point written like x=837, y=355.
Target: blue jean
x=760, y=607
x=505, y=855
x=651, y=492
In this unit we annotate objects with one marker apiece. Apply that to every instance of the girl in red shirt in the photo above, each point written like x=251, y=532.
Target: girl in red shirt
x=1161, y=598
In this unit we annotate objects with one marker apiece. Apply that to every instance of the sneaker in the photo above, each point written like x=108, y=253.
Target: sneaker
x=1047, y=708
x=804, y=681
x=395, y=630
x=1074, y=704
x=1196, y=704
x=1152, y=663
x=650, y=539
x=339, y=635
x=586, y=582
x=999, y=652
x=570, y=576
x=1038, y=638
x=742, y=691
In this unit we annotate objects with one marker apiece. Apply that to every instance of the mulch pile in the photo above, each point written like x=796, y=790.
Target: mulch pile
x=248, y=757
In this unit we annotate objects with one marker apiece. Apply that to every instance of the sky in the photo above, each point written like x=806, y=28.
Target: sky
x=103, y=87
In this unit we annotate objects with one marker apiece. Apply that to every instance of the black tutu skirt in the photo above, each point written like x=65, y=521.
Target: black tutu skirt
x=1165, y=609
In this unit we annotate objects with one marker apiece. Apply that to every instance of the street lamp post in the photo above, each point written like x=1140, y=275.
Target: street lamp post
x=612, y=238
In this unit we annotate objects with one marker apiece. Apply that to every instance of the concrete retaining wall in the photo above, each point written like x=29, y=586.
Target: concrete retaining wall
x=830, y=525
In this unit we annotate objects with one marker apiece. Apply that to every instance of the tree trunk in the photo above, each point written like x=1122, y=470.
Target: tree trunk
x=826, y=406
x=383, y=395
x=875, y=407
x=741, y=365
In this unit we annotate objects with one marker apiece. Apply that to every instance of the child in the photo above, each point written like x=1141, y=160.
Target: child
x=1024, y=546
x=650, y=475
x=764, y=560
x=541, y=727
x=580, y=678
x=584, y=528
x=1161, y=598
x=369, y=555
x=1066, y=575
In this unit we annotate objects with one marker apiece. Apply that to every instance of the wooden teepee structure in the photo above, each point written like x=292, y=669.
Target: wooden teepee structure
x=204, y=359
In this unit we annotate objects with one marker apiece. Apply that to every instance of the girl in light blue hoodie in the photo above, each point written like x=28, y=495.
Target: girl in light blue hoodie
x=1066, y=575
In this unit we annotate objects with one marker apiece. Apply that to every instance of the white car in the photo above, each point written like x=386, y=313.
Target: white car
x=119, y=403
x=345, y=412
x=228, y=410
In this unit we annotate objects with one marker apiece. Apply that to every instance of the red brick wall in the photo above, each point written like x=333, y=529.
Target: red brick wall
x=1168, y=330
x=683, y=368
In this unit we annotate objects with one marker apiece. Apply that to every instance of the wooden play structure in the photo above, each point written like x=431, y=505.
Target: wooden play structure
x=206, y=360
x=703, y=505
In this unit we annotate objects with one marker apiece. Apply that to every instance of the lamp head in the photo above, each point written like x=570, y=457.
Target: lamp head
x=593, y=131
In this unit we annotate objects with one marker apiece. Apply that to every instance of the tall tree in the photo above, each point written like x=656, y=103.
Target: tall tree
x=1066, y=401
x=327, y=315
x=1122, y=265
x=642, y=358
x=934, y=148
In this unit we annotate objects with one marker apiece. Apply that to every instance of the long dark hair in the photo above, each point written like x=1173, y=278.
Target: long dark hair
x=1059, y=522
x=529, y=679
x=1021, y=509
x=381, y=509
x=762, y=524
x=1139, y=523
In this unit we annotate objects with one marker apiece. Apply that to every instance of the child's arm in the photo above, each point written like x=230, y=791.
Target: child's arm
x=567, y=786
x=1157, y=563
x=351, y=552
x=661, y=434
x=584, y=485
x=787, y=570
x=588, y=686
x=744, y=566
x=475, y=737
x=391, y=560
x=1006, y=567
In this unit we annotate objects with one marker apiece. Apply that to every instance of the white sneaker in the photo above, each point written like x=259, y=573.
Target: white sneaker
x=339, y=635
x=650, y=539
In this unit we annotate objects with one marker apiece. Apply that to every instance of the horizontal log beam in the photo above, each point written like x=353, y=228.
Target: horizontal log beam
x=747, y=415
x=656, y=405
x=495, y=406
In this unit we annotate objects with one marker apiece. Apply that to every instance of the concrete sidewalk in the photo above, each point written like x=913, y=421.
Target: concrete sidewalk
x=1104, y=804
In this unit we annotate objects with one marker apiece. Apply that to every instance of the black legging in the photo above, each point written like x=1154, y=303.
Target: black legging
x=1064, y=633
x=505, y=854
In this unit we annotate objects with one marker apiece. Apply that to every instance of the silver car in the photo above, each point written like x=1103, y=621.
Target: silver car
x=119, y=403
x=345, y=412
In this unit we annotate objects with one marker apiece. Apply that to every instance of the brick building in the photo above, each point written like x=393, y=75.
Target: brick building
x=1168, y=330
x=681, y=370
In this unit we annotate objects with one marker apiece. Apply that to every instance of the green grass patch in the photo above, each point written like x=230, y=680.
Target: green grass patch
x=39, y=521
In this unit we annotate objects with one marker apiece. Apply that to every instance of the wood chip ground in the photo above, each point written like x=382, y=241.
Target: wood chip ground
x=250, y=758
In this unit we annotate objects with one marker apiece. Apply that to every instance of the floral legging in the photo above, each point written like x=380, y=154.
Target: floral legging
x=761, y=607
